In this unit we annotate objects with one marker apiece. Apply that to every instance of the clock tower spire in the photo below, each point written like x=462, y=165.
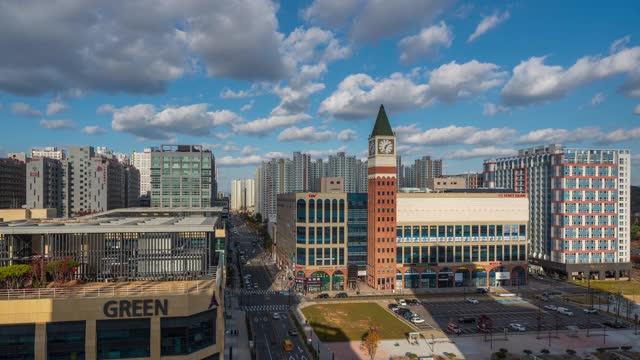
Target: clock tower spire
x=381, y=213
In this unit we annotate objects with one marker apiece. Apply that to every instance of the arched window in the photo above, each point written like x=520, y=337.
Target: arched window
x=312, y=210
x=319, y=211
x=327, y=210
x=301, y=210
x=334, y=211
x=341, y=210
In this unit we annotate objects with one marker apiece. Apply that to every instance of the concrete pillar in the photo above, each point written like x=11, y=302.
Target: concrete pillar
x=156, y=337
x=91, y=340
x=40, y=346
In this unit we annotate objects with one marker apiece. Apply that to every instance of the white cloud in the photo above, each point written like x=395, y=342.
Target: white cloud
x=248, y=106
x=324, y=153
x=359, y=95
x=488, y=23
x=407, y=150
x=248, y=149
x=253, y=159
x=479, y=152
x=619, y=135
x=56, y=107
x=230, y=147
x=534, y=81
x=597, y=99
x=637, y=110
x=240, y=94
x=491, y=136
x=93, y=130
x=145, y=121
x=57, y=124
x=491, y=109
x=223, y=135
x=453, y=135
x=550, y=135
x=404, y=130
x=105, y=109
x=332, y=13
x=23, y=109
x=425, y=42
x=619, y=44
x=307, y=134
x=347, y=135
x=265, y=125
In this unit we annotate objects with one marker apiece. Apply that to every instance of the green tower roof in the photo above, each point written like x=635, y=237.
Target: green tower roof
x=382, y=126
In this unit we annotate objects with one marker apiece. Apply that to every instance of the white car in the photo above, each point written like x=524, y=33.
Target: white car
x=402, y=302
x=590, y=311
x=417, y=320
x=276, y=316
x=517, y=327
x=565, y=312
x=551, y=307
x=472, y=301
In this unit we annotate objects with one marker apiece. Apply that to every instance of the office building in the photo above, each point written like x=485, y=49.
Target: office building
x=44, y=184
x=242, y=195
x=132, y=186
x=12, y=183
x=153, y=317
x=446, y=183
x=182, y=176
x=579, y=208
x=142, y=162
x=20, y=156
x=50, y=152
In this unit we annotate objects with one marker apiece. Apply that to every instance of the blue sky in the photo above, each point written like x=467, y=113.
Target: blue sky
x=464, y=81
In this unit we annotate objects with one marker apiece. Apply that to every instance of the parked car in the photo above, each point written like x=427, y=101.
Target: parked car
x=322, y=296
x=402, y=302
x=410, y=315
x=403, y=311
x=615, y=324
x=293, y=332
x=453, y=329
x=590, y=311
x=393, y=307
x=413, y=302
x=540, y=277
x=467, y=320
x=341, y=295
x=472, y=300
x=565, y=311
x=517, y=327
x=551, y=307
x=417, y=320
x=276, y=316
x=481, y=290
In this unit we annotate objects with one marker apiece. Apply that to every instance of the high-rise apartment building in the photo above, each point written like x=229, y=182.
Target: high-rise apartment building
x=382, y=195
x=579, y=207
x=242, y=194
x=182, y=176
x=302, y=168
x=399, y=171
x=142, y=162
x=50, y=152
x=422, y=169
x=44, y=184
x=132, y=186
x=12, y=184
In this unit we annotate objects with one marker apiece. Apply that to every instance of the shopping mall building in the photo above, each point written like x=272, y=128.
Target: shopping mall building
x=414, y=239
x=152, y=288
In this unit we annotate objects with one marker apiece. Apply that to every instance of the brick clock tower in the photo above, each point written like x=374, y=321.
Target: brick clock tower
x=381, y=212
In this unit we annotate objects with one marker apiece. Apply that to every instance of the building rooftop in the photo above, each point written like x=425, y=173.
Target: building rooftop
x=112, y=290
x=110, y=224
x=156, y=212
x=382, y=126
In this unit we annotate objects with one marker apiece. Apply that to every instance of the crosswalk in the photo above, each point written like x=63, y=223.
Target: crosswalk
x=258, y=292
x=268, y=308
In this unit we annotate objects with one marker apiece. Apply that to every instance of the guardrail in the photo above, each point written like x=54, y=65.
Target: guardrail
x=104, y=291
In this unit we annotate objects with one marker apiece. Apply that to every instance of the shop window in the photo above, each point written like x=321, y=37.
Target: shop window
x=186, y=335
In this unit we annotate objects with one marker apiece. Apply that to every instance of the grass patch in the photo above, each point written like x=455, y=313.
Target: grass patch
x=350, y=321
x=630, y=289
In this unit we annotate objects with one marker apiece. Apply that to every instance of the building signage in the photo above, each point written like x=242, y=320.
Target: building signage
x=496, y=263
x=313, y=195
x=513, y=195
x=135, y=308
x=35, y=173
x=502, y=275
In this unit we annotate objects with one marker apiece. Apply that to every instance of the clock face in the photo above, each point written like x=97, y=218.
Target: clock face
x=372, y=148
x=385, y=146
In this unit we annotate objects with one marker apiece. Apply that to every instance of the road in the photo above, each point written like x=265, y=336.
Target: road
x=260, y=300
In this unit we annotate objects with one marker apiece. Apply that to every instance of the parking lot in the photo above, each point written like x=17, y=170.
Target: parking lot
x=532, y=315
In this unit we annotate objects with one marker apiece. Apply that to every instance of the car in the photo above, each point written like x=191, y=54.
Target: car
x=417, y=320
x=551, y=307
x=467, y=320
x=481, y=290
x=615, y=324
x=565, y=311
x=276, y=316
x=341, y=295
x=413, y=302
x=517, y=327
x=402, y=311
x=590, y=311
x=540, y=277
x=410, y=315
x=472, y=300
x=542, y=297
x=402, y=302
x=453, y=329
x=393, y=307
x=293, y=332
x=322, y=296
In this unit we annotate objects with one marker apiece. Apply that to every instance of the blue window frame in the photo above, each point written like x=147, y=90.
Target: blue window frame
x=301, y=210
x=312, y=211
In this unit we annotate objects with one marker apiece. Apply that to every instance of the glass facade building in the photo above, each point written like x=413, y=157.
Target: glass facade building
x=357, y=230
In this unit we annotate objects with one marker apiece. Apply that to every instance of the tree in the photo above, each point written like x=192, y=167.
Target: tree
x=371, y=341
x=62, y=270
x=14, y=276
